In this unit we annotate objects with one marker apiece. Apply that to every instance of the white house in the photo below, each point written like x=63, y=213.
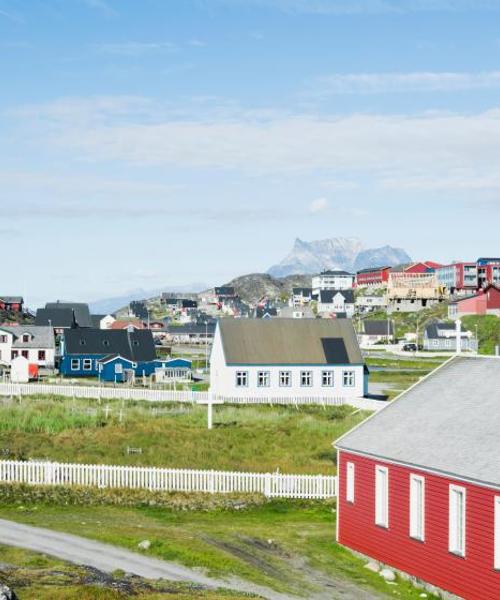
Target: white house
x=332, y=280
x=255, y=358
x=33, y=342
x=376, y=332
x=336, y=302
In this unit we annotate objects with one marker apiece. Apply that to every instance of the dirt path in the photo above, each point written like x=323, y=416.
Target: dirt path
x=107, y=558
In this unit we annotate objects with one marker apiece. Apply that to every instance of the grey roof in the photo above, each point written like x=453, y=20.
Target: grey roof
x=326, y=296
x=136, y=345
x=378, y=327
x=81, y=310
x=448, y=423
x=192, y=329
x=40, y=337
x=96, y=320
x=335, y=272
x=432, y=331
x=289, y=341
x=58, y=318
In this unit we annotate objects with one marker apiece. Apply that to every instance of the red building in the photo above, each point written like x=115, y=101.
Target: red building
x=376, y=276
x=485, y=302
x=11, y=303
x=488, y=274
x=419, y=484
x=422, y=267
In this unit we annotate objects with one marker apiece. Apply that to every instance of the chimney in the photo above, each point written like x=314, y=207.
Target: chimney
x=458, y=324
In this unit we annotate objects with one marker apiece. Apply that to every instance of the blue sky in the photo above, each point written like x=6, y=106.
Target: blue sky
x=150, y=143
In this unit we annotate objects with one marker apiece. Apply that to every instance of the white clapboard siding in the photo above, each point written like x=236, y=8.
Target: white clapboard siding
x=150, y=395
x=272, y=485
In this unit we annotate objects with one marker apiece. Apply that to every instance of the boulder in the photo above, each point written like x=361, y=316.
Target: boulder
x=6, y=593
x=372, y=566
x=144, y=545
x=388, y=574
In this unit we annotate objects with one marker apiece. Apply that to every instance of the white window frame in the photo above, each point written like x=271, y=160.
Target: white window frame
x=457, y=508
x=306, y=375
x=349, y=378
x=285, y=378
x=263, y=379
x=350, y=482
x=329, y=377
x=75, y=364
x=496, y=565
x=243, y=376
x=382, y=496
x=87, y=364
x=417, y=507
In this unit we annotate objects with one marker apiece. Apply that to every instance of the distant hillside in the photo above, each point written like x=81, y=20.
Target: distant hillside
x=336, y=253
x=251, y=288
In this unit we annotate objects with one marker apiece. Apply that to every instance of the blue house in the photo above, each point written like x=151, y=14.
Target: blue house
x=82, y=349
x=118, y=368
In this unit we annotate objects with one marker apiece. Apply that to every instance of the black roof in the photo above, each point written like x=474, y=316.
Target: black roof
x=136, y=345
x=304, y=291
x=186, y=303
x=335, y=272
x=432, y=330
x=58, y=318
x=326, y=296
x=262, y=311
x=81, y=310
x=373, y=269
x=96, y=320
x=378, y=327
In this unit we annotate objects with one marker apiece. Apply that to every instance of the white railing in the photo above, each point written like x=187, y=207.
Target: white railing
x=152, y=395
x=272, y=485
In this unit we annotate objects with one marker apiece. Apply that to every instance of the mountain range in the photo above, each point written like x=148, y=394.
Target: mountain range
x=348, y=254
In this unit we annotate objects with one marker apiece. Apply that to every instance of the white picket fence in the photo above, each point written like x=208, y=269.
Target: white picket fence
x=152, y=395
x=272, y=485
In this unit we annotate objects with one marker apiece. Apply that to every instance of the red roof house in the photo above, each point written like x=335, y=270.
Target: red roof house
x=422, y=267
x=419, y=481
x=485, y=302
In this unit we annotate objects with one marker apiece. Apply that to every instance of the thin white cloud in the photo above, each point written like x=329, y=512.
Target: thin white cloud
x=363, y=7
x=319, y=205
x=395, y=150
x=132, y=49
x=382, y=83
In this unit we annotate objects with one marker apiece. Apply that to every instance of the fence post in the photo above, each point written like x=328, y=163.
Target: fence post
x=267, y=485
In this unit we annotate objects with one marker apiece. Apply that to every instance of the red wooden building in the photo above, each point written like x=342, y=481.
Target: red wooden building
x=11, y=303
x=422, y=267
x=485, y=302
x=419, y=482
x=375, y=276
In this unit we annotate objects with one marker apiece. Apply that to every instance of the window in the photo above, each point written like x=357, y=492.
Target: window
x=3, y=339
x=382, y=496
x=457, y=520
x=25, y=353
x=349, y=492
x=497, y=533
x=285, y=378
x=241, y=378
x=118, y=368
x=263, y=378
x=26, y=338
x=417, y=507
x=327, y=378
x=15, y=354
x=348, y=378
x=41, y=354
x=306, y=378
x=87, y=364
x=75, y=364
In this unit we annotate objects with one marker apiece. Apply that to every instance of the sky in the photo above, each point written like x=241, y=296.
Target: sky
x=155, y=143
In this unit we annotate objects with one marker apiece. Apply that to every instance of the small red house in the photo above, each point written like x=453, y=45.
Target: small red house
x=419, y=482
x=375, y=276
x=422, y=267
x=485, y=302
x=11, y=303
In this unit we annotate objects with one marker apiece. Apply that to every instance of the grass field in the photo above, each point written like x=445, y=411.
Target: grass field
x=288, y=546
x=246, y=438
x=36, y=576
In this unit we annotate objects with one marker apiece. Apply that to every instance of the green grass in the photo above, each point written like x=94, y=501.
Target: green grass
x=262, y=438
x=407, y=322
x=488, y=331
x=413, y=363
x=36, y=576
x=276, y=545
